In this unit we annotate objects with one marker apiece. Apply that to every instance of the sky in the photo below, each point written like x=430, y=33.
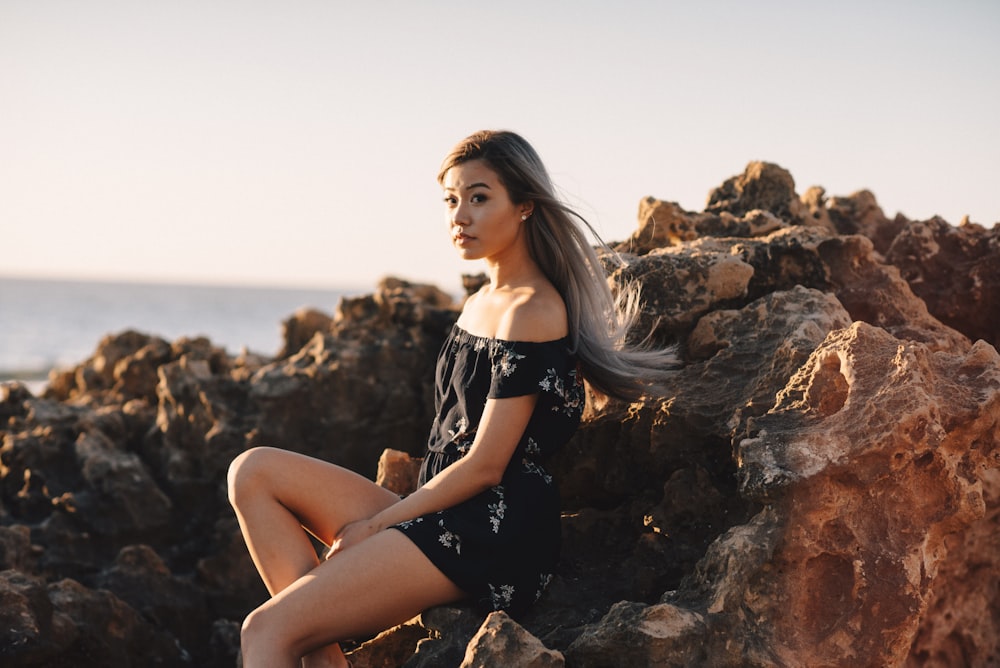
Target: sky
x=296, y=142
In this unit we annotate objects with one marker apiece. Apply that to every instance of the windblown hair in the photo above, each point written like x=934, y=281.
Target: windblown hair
x=598, y=320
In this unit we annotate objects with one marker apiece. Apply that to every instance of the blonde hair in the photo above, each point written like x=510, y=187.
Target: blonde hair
x=598, y=320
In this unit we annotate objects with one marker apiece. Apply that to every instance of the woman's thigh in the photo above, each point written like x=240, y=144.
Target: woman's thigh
x=322, y=496
x=374, y=585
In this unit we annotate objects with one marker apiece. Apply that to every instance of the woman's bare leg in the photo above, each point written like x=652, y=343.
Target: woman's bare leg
x=373, y=585
x=277, y=494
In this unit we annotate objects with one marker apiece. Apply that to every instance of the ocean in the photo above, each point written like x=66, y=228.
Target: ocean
x=46, y=324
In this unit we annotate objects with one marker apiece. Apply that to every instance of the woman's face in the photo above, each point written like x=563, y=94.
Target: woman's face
x=482, y=220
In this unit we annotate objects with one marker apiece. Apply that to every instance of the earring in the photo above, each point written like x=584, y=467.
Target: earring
x=524, y=216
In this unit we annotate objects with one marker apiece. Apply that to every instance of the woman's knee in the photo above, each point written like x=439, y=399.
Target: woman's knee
x=248, y=472
x=258, y=632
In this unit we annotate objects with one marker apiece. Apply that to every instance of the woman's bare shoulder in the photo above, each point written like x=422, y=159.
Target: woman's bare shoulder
x=534, y=315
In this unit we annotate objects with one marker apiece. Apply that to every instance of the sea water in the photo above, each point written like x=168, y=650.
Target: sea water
x=46, y=324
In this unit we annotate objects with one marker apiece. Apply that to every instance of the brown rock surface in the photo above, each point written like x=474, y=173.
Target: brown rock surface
x=867, y=492
x=960, y=625
x=502, y=641
x=821, y=485
x=956, y=271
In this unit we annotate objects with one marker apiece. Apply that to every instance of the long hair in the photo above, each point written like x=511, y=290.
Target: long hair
x=598, y=319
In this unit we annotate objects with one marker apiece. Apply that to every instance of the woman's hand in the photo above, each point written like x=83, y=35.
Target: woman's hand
x=352, y=534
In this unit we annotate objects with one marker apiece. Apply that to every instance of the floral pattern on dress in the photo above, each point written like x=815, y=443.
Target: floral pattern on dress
x=497, y=509
x=532, y=447
x=406, y=524
x=461, y=437
x=449, y=539
x=572, y=396
x=543, y=583
x=501, y=597
x=460, y=428
x=464, y=446
x=504, y=358
x=532, y=467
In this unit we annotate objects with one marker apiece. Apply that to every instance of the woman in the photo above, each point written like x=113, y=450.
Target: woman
x=484, y=521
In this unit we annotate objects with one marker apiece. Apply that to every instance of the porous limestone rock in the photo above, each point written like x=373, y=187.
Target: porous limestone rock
x=666, y=224
x=960, y=623
x=450, y=628
x=861, y=501
x=67, y=623
x=502, y=641
x=762, y=185
x=392, y=647
x=632, y=634
x=859, y=213
x=141, y=578
x=867, y=492
x=302, y=326
x=398, y=471
x=769, y=187
x=875, y=293
x=956, y=271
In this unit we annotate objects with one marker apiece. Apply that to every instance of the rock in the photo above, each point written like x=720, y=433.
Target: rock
x=301, y=327
x=502, y=641
x=862, y=502
x=664, y=224
x=632, y=634
x=225, y=573
x=46, y=625
x=964, y=607
x=859, y=213
x=15, y=548
x=875, y=293
x=768, y=187
x=762, y=185
x=451, y=629
x=867, y=493
x=390, y=648
x=108, y=632
x=955, y=271
x=471, y=283
x=660, y=224
x=142, y=579
x=398, y=471
x=119, y=495
x=739, y=360
x=368, y=382
x=135, y=376
x=680, y=288
x=26, y=621
x=203, y=419
x=224, y=644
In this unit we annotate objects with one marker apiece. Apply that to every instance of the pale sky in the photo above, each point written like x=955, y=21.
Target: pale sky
x=297, y=142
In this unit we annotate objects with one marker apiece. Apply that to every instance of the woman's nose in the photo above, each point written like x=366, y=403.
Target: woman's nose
x=459, y=215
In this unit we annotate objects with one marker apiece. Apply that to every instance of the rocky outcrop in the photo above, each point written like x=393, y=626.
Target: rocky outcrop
x=820, y=486
x=955, y=271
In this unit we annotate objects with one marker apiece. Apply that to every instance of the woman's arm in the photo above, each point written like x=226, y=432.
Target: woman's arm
x=500, y=430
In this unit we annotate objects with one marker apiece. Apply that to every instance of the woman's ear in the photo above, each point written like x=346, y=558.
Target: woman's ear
x=526, y=210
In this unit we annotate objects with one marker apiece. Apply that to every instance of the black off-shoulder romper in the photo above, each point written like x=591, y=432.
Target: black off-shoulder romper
x=502, y=545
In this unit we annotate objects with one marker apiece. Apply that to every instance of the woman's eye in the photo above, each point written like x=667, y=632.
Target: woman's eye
x=449, y=200
x=477, y=198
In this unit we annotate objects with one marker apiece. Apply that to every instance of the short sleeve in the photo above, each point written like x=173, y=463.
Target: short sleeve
x=520, y=368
